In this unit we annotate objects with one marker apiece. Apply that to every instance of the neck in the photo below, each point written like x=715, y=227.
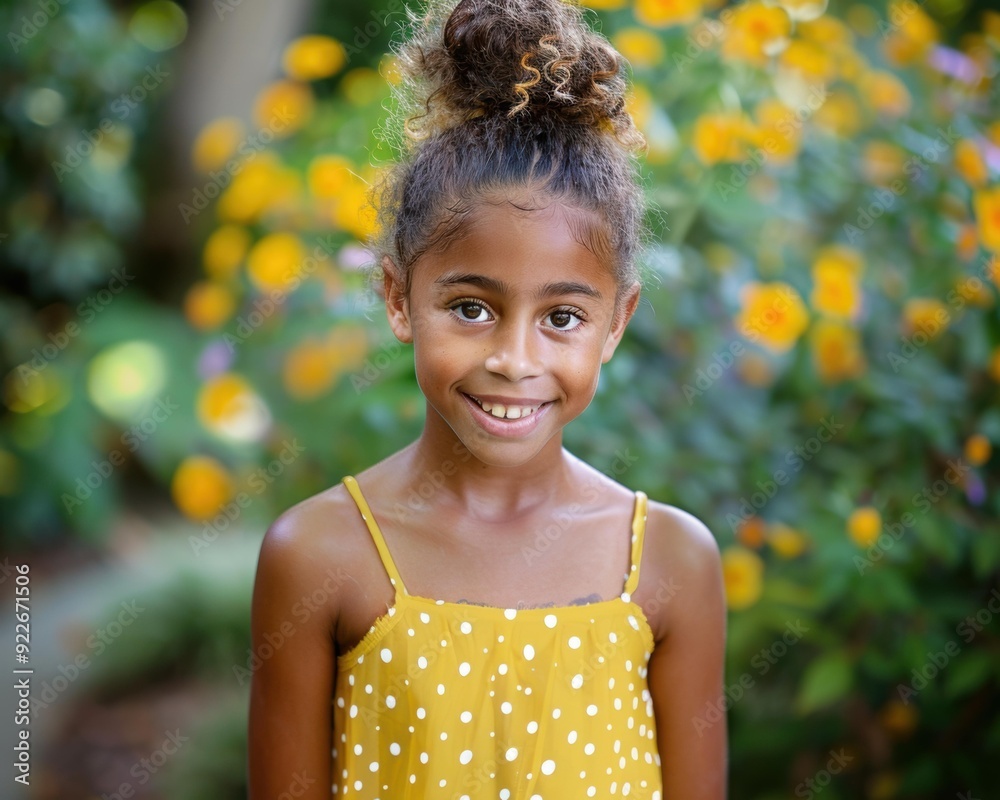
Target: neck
x=438, y=462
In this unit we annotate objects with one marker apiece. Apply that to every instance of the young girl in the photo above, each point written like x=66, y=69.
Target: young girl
x=483, y=615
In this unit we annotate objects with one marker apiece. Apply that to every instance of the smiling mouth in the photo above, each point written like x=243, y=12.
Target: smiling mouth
x=506, y=412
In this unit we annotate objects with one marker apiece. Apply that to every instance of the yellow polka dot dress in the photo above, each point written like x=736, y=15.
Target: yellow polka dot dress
x=459, y=701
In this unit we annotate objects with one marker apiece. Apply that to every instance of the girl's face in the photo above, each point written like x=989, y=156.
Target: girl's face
x=510, y=325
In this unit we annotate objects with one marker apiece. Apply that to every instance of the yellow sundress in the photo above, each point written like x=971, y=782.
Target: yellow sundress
x=460, y=701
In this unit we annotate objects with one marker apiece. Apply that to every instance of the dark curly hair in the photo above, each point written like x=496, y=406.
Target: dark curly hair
x=500, y=94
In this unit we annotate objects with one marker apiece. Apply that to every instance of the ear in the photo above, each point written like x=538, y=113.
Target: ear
x=629, y=303
x=397, y=306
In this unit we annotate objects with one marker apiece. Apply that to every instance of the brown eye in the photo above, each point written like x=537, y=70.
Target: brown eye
x=471, y=312
x=564, y=320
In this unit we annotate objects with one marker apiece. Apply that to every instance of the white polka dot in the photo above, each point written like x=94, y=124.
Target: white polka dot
x=511, y=753
x=532, y=727
x=425, y=617
x=464, y=668
x=613, y=636
x=390, y=701
x=502, y=669
x=572, y=737
x=466, y=716
x=411, y=632
x=510, y=613
x=632, y=621
x=555, y=713
x=373, y=766
x=466, y=627
x=368, y=688
x=505, y=794
x=592, y=791
x=548, y=767
x=577, y=681
x=422, y=662
x=358, y=749
x=591, y=710
x=529, y=652
x=386, y=655
x=424, y=758
x=574, y=642
x=589, y=748
x=465, y=757
x=550, y=620
x=354, y=711
x=421, y=713
x=440, y=688
x=506, y=707
x=358, y=785
x=394, y=748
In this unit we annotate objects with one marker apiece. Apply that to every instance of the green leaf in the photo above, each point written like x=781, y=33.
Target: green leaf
x=826, y=680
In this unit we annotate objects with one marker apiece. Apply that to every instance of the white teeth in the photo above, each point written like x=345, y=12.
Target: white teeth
x=505, y=412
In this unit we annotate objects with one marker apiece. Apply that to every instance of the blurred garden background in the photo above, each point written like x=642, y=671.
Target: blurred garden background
x=188, y=347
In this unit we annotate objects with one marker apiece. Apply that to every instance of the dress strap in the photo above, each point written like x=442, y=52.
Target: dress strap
x=638, y=534
x=390, y=566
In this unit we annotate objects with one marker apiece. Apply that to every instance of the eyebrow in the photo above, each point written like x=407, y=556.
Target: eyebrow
x=500, y=287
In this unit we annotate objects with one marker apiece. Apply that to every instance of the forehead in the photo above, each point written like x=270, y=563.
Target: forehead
x=524, y=238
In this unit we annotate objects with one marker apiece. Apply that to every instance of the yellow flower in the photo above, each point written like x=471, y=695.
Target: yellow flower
x=826, y=31
x=310, y=58
x=974, y=292
x=777, y=130
x=722, y=136
x=810, y=60
x=836, y=291
x=804, y=10
x=882, y=162
x=885, y=93
x=663, y=13
x=969, y=163
x=986, y=205
x=282, y=107
x=926, y=314
x=208, y=304
x=605, y=5
x=864, y=525
x=228, y=406
x=200, y=486
x=216, y=143
x=743, y=574
x=328, y=175
x=252, y=191
x=224, y=250
x=836, y=351
x=352, y=209
x=977, y=449
x=785, y=541
x=839, y=114
x=639, y=104
x=310, y=369
x=755, y=33
x=363, y=86
x=275, y=260
x=641, y=47
x=913, y=33
x=773, y=313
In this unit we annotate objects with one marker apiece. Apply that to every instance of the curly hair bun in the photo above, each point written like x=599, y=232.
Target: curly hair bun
x=515, y=58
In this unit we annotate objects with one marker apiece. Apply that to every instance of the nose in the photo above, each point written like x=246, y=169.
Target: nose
x=515, y=351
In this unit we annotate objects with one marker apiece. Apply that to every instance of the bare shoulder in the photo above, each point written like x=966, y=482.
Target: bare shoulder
x=681, y=569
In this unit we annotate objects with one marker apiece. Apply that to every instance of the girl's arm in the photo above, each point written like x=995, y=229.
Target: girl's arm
x=686, y=670
x=293, y=663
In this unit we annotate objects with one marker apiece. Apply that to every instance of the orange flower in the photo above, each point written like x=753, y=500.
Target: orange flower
x=721, y=136
x=977, y=449
x=217, y=143
x=836, y=351
x=864, y=526
x=228, y=406
x=225, y=250
x=283, y=107
x=328, y=175
x=200, y=486
x=751, y=532
x=772, y=313
x=986, y=205
x=836, y=291
x=310, y=58
x=755, y=33
x=926, y=314
x=663, y=13
x=743, y=574
x=275, y=261
x=913, y=33
x=969, y=163
x=310, y=369
x=208, y=304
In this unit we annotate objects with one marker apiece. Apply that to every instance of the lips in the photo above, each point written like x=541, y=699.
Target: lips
x=508, y=425
x=504, y=408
